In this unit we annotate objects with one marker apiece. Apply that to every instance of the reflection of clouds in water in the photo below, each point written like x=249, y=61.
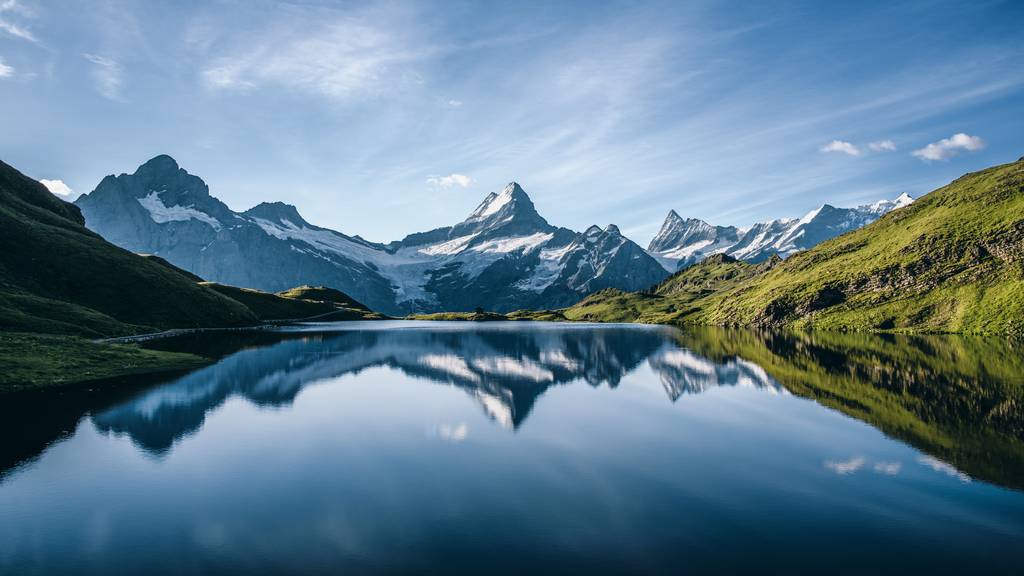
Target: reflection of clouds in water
x=453, y=432
x=845, y=467
x=888, y=468
x=943, y=467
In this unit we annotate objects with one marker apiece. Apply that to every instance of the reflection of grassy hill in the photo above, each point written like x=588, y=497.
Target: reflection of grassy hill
x=953, y=261
x=958, y=399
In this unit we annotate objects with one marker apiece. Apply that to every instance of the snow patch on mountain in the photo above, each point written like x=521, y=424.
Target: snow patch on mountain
x=161, y=213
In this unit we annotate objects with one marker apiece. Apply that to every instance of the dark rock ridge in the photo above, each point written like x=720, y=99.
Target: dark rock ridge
x=504, y=256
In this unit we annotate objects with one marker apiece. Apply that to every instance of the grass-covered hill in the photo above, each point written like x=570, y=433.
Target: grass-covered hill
x=953, y=261
x=57, y=277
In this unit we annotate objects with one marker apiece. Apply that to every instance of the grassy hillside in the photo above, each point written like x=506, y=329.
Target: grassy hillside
x=58, y=277
x=304, y=302
x=953, y=261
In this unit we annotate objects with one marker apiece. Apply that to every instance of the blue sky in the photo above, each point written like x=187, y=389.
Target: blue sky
x=385, y=119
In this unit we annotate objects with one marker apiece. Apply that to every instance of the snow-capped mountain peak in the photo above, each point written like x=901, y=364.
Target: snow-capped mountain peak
x=681, y=242
x=503, y=257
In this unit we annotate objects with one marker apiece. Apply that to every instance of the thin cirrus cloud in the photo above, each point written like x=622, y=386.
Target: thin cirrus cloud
x=58, y=188
x=337, y=59
x=949, y=147
x=11, y=28
x=841, y=146
x=107, y=76
x=451, y=180
x=5, y=70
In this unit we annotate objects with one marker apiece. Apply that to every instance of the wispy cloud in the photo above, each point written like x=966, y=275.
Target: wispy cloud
x=8, y=7
x=58, y=188
x=845, y=467
x=948, y=147
x=450, y=180
x=841, y=146
x=107, y=76
x=5, y=70
x=321, y=53
x=455, y=103
x=882, y=146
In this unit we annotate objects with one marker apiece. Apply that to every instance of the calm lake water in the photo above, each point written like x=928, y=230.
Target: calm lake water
x=520, y=447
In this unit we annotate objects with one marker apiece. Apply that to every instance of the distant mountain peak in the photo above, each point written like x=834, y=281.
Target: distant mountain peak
x=613, y=229
x=158, y=165
x=277, y=212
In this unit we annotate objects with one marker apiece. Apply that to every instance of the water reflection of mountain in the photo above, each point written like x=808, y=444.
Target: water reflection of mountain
x=505, y=370
x=958, y=399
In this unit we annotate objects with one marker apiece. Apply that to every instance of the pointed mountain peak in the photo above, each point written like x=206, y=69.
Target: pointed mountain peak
x=277, y=212
x=612, y=229
x=158, y=165
x=903, y=200
x=511, y=210
x=594, y=230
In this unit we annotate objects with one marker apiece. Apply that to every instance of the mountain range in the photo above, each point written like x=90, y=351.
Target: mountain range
x=504, y=256
x=952, y=261
x=683, y=242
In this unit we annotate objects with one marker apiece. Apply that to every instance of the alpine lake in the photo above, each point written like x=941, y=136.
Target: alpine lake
x=520, y=447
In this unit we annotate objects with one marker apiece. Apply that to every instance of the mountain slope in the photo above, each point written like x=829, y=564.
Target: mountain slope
x=503, y=256
x=681, y=243
x=58, y=277
x=953, y=261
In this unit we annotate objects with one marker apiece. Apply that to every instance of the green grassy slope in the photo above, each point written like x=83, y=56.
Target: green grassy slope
x=953, y=261
x=58, y=277
x=33, y=361
x=304, y=302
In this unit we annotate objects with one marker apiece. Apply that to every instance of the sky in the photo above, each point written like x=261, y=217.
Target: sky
x=383, y=119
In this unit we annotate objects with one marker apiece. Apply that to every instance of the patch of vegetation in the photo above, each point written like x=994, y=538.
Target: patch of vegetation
x=34, y=361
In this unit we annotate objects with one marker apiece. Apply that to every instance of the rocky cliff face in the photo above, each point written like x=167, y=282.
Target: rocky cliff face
x=503, y=257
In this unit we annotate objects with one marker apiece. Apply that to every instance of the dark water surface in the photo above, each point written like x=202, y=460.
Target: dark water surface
x=527, y=448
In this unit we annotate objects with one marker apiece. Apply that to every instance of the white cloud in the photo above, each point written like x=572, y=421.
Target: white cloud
x=882, y=146
x=456, y=433
x=847, y=466
x=15, y=7
x=460, y=180
x=5, y=70
x=454, y=103
x=888, y=468
x=940, y=466
x=841, y=146
x=948, y=147
x=58, y=188
x=107, y=76
x=339, y=59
